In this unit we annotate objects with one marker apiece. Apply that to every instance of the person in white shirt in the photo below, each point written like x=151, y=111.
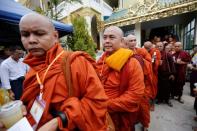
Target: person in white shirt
x=13, y=71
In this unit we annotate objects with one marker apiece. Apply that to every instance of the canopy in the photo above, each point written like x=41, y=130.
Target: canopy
x=10, y=14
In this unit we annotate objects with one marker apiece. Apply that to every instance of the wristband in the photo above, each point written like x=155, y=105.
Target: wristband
x=62, y=117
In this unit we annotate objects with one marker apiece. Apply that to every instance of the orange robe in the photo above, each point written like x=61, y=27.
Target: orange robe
x=86, y=110
x=144, y=111
x=148, y=73
x=122, y=107
x=155, y=67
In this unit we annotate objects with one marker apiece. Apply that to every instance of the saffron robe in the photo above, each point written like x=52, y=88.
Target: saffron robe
x=86, y=110
x=122, y=107
x=148, y=72
x=155, y=67
x=144, y=111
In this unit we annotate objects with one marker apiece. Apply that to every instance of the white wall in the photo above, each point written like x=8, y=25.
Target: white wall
x=138, y=34
x=98, y=5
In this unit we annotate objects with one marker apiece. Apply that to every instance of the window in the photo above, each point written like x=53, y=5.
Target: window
x=189, y=35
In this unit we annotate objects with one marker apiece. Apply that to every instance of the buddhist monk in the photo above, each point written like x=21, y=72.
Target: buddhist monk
x=156, y=57
x=166, y=72
x=86, y=109
x=123, y=80
x=181, y=59
x=144, y=112
x=124, y=44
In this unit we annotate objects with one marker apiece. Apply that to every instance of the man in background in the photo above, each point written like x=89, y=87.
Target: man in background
x=181, y=59
x=13, y=71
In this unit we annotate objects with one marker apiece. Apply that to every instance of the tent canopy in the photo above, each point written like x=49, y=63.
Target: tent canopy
x=10, y=14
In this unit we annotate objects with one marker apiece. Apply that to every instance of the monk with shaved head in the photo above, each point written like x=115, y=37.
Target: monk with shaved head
x=144, y=112
x=123, y=80
x=181, y=59
x=124, y=44
x=166, y=73
x=85, y=108
x=43, y=31
x=156, y=57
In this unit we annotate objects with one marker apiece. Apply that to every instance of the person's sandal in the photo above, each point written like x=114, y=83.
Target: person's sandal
x=181, y=101
x=170, y=104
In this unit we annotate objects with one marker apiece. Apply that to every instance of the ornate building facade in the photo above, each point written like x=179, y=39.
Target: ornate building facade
x=92, y=10
x=147, y=17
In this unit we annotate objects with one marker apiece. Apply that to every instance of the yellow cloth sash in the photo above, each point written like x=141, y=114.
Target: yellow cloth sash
x=117, y=60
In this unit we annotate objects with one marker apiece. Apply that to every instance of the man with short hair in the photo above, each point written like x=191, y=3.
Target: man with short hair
x=122, y=77
x=82, y=107
x=166, y=73
x=181, y=59
x=124, y=43
x=13, y=71
x=156, y=57
x=144, y=112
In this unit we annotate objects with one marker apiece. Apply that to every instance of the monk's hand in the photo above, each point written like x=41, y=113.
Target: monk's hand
x=52, y=125
x=24, y=111
x=171, y=77
x=11, y=94
x=178, y=61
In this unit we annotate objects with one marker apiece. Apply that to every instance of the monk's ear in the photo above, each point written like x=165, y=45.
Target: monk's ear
x=56, y=35
x=122, y=40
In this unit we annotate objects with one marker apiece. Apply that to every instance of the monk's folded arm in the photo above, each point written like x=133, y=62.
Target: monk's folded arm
x=87, y=110
x=185, y=57
x=131, y=98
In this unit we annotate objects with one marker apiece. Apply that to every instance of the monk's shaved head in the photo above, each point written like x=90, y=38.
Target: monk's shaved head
x=112, y=39
x=159, y=43
x=124, y=44
x=178, y=46
x=148, y=45
x=115, y=29
x=34, y=17
x=38, y=34
x=131, y=40
x=131, y=36
x=160, y=46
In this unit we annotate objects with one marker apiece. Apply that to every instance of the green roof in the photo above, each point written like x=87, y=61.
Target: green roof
x=116, y=15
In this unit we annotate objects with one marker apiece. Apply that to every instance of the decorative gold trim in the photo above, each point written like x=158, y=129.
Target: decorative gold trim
x=158, y=14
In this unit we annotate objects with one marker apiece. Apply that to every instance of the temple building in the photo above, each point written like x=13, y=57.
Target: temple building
x=149, y=18
x=94, y=12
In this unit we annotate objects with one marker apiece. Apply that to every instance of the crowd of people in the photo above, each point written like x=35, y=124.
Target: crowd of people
x=113, y=93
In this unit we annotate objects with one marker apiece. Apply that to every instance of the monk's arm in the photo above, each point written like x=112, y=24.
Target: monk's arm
x=157, y=61
x=185, y=58
x=131, y=98
x=87, y=111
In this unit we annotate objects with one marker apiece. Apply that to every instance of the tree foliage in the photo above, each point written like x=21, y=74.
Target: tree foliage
x=81, y=40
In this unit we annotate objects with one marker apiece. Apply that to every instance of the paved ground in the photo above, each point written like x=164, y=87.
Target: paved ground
x=176, y=118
